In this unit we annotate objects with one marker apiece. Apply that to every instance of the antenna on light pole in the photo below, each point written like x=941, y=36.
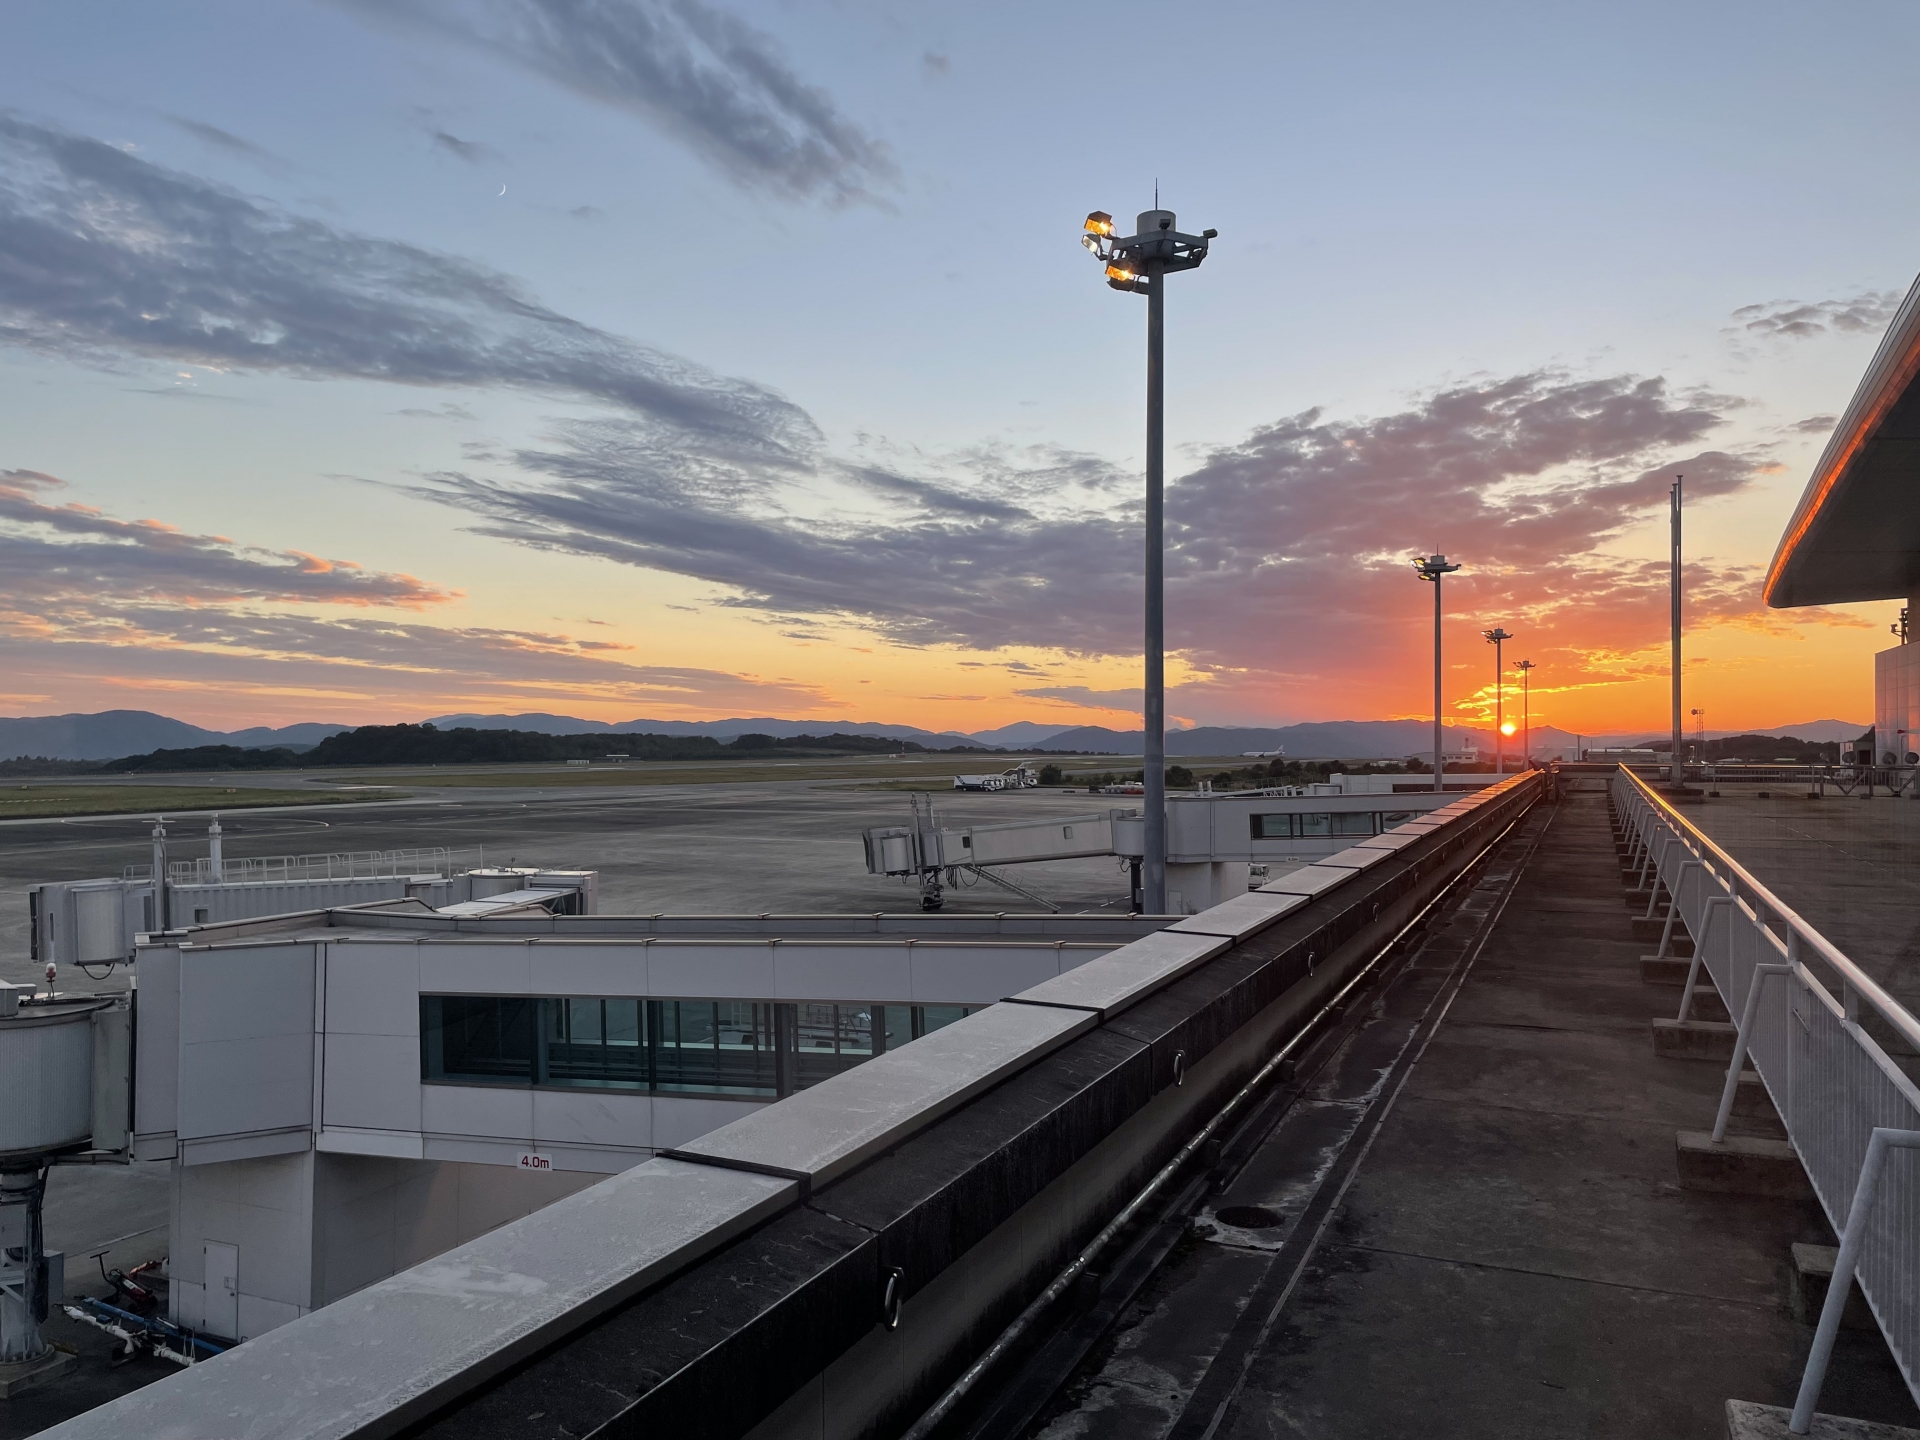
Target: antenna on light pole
x=1140, y=263
x=1497, y=637
x=1525, y=667
x=1435, y=568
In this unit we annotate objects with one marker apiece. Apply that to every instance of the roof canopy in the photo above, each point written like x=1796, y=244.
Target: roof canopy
x=1856, y=533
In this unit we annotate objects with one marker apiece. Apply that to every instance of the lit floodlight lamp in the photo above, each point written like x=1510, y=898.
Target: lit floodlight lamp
x=1139, y=264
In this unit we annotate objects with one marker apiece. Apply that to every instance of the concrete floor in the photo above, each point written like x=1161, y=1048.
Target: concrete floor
x=1513, y=1255
x=1850, y=866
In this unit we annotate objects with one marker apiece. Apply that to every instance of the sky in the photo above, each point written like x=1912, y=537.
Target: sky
x=370, y=360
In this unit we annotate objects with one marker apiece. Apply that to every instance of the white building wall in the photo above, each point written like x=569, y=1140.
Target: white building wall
x=1896, y=704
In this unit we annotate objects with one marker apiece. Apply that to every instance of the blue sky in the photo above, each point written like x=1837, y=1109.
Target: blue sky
x=775, y=382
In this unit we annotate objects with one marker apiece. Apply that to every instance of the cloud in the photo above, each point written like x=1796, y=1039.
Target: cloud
x=103, y=255
x=76, y=559
x=936, y=67
x=1285, y=550
x=1867, y=313
x=229, y=142
x=93, y=604
x=703, y=76
x=1815, y=424
x=471, y=151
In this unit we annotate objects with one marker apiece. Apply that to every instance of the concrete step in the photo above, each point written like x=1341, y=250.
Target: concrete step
x=1752, y=1103
x=1649, y=928
x=1748, y=1420
x=1740, y=1165
x=1707, y=1004
x=1809, y=1281
x=1695, y=1040
x=1664, y=969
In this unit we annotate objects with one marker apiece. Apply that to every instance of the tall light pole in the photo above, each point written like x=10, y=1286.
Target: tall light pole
x=1497, y=637
x=1673, y=586
x=1525, y=667
x=1140, y=263
x=1434, y=568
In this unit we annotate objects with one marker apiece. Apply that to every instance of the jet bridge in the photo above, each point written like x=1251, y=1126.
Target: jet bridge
x=1216, y=843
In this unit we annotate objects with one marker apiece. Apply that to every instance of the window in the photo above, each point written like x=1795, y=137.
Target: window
x=1319, y=825
x=705, y=1047
x=485, y=1039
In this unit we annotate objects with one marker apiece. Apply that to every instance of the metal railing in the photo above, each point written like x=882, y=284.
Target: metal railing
x=1807, y=1021
x=435, y=860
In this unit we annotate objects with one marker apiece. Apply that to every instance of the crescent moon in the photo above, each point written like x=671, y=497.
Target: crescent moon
x=503, y=190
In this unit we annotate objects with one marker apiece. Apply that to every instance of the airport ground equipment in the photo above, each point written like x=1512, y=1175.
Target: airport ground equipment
x=1212, y=837
x=1021, y=777
x=65, y=1094
x=95, y=922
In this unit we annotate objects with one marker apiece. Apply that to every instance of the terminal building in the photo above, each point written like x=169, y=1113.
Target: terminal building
x=1856, y=532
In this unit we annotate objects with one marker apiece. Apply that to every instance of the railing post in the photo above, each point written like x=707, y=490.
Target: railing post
x=1700, y=953
x=1843, y=1267
x=1673, y=910
x=1740, y=1043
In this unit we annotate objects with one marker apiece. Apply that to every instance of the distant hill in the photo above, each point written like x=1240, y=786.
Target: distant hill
x=717, y=729
x=110, y=734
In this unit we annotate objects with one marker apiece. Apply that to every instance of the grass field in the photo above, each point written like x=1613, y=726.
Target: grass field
x=45, y=802
x=737, y=772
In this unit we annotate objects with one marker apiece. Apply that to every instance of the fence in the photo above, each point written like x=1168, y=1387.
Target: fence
x=434, y=860
x=1808, y=1021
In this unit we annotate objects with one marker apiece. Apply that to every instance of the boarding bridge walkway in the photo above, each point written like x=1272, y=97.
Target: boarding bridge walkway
x=1383, y=1148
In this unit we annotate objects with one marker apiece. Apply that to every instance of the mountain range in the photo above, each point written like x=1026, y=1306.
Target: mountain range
x=110, y=734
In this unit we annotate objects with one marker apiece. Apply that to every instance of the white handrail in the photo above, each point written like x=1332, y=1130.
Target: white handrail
x=1903, y=1021
x=1847, y=1107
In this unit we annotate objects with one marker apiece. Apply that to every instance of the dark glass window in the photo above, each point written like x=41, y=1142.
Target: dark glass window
x=597, y=1043
x=486, y=1038
x=721, y=1047
x=1352, y=822
x=711, y=1047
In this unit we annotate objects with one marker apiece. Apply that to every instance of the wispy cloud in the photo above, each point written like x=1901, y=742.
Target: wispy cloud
x=74, y=555
x=471, y=151
x=1866, y=313
x=104, y=255
x=702, y=75
x=92, y=601
x=231, y=143
x=1284, y=550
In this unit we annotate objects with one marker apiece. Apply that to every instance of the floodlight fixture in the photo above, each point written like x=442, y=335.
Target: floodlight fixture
x=1497, y=637
x=1525, y=667
x=1434, y=568
x=1140, y=263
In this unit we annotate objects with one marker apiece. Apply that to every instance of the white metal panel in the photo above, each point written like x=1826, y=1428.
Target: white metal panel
x=100, y=925
x=156, y=1056
x=371, y=1082
x=501, y=968
x=246, y=1039
x=593, y=1117
x=46, y=1079
x=373, y=989
x=951, y=974
x=497, y=1112
x=561, y=968
x=871, y=971
x=711, y=970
